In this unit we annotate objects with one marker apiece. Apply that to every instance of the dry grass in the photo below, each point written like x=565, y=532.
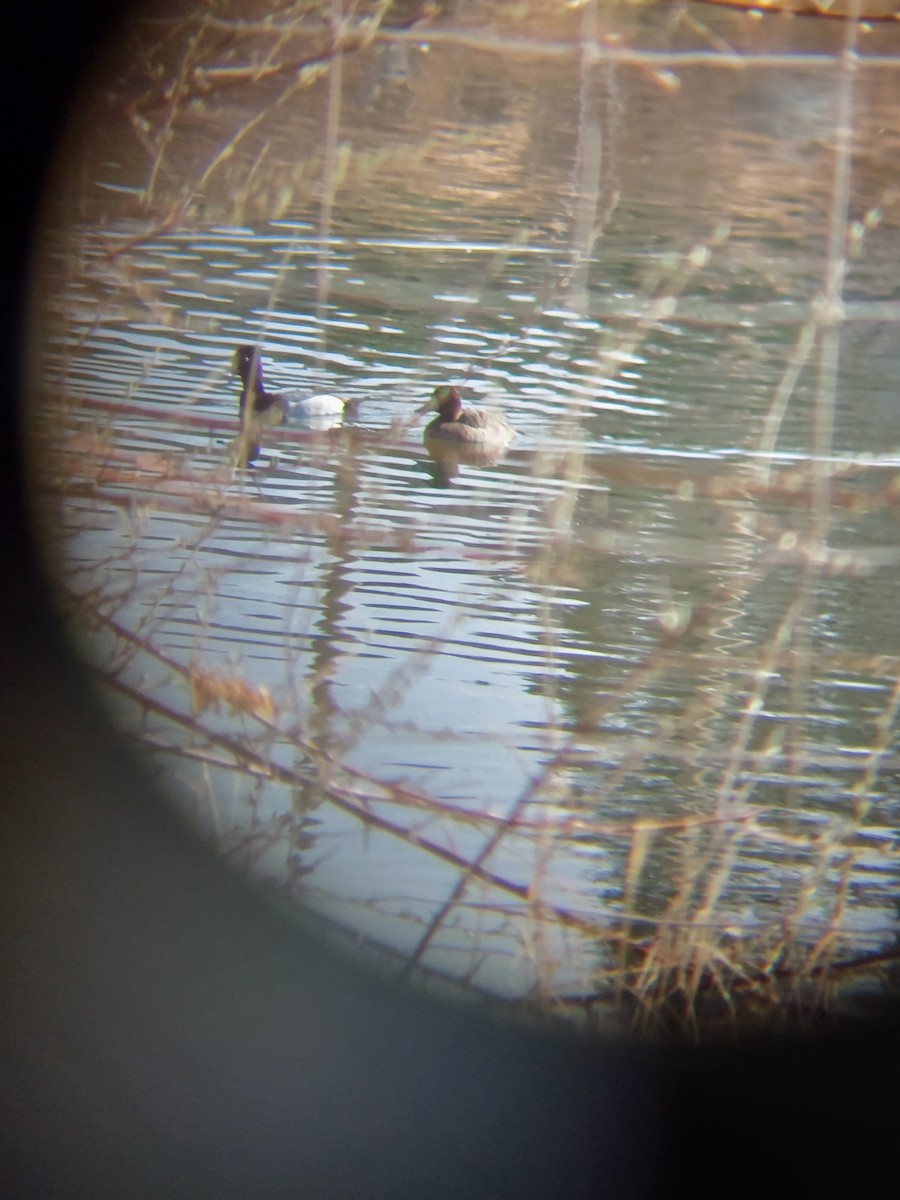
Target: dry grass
x=667, y=957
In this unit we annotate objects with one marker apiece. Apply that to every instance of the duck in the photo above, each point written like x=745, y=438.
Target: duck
x=274, y=408
x=464, y=425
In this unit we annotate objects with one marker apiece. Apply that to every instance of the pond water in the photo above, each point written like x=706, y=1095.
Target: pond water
x=612, y=714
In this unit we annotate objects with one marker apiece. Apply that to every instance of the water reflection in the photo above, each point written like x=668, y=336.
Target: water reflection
x=573, y=721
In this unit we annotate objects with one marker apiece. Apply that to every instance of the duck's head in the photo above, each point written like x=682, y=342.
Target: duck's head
x=246, y=363
x=445, y=400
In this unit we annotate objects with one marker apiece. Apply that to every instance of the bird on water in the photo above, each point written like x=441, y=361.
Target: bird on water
x=463, y=425
x=275, y=408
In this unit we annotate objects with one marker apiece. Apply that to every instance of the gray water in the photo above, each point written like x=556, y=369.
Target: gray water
x=632, y=683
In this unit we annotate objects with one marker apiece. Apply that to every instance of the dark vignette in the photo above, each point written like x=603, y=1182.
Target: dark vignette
x=166, y=1033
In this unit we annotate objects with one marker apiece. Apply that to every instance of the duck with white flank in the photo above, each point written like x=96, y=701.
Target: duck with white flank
x=259, y=407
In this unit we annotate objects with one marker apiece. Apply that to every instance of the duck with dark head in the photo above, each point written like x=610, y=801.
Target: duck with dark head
x=273, y=408
x=464, y=425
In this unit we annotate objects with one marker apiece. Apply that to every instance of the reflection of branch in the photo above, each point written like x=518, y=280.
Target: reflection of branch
x=351, y=803
x=305, y=69
x=608, y=51
x=358, y=805
x=350, y=37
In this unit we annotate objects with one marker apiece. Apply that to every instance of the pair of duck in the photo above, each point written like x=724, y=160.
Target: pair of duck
x=453, y=423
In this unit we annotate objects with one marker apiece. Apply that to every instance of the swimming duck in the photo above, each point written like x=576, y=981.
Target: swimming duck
x=272, y=408
x=457, y=424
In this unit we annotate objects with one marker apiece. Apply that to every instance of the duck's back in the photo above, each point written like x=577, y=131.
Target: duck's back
x=303, y=404
x=472, y=425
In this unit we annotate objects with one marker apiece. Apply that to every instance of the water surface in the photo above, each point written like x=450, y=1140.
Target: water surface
x=619, y=702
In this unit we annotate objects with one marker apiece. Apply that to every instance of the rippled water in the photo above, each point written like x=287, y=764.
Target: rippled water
x=506, y=717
